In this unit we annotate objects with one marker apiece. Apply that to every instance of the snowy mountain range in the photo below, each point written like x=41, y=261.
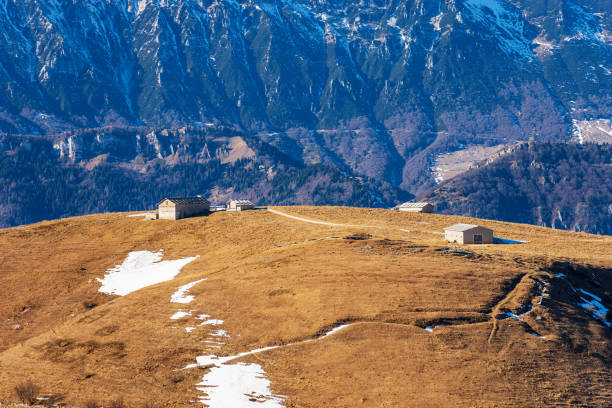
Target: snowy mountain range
x=373, y=87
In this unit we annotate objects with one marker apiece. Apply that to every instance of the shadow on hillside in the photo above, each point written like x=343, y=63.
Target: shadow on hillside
x=503, y=241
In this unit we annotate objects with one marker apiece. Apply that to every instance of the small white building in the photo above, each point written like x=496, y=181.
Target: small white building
x=416, y=207
x=175, y=208
x=239, y=205
x=468, y=234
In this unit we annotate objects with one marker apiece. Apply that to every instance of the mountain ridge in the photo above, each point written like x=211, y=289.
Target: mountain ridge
x=377, y=86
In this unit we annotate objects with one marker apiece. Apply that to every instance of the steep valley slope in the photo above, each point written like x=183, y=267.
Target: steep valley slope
x=558, y=185
x=306, y=307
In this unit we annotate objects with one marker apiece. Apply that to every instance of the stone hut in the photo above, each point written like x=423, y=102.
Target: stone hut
x=175, y=208
x=416, y=207
x=239, y=205
x=468, y=234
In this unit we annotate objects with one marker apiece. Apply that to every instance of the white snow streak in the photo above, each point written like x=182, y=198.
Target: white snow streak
x=180, y=314
x=180, y=295
x=239, y=385
x=594, y=306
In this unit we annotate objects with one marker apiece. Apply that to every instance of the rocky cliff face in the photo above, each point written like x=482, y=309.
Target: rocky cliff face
x=373, y=86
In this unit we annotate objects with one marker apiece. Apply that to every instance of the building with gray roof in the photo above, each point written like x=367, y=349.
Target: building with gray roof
x=468, y=234
x=416, y=207
x=174, y=208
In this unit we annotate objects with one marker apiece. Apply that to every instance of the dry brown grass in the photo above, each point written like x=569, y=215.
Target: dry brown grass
x=275, y=280
x=116, y=403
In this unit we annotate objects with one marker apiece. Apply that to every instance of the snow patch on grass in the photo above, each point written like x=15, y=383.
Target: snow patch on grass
x=180, y=295
x=332, y=331
x=215, y=322
x=542, y=292
x=237, y=386
x=241, y=384
x=592, y=304
x=139, y=270
x=180, y=314
x=220, y=333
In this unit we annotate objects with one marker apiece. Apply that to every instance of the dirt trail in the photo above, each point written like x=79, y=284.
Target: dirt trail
x=331, y=224
x=316, y=221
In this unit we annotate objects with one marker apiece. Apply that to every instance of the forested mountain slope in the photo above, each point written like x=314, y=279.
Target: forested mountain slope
x=97, y=170
x=566, y=186
x=378, y=86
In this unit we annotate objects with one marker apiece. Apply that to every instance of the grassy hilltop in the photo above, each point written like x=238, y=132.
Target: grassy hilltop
x=422, y=323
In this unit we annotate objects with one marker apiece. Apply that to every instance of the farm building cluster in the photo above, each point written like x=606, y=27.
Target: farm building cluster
x=176, y=208
x=458, y=233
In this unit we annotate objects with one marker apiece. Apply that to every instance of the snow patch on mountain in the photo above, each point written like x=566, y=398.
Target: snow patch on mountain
x=435, y=21
x=593, y=131
x=505, y=23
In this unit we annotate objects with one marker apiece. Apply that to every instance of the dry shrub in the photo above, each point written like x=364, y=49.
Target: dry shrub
x=92, y=404
x=27, y=392
x=149, y=404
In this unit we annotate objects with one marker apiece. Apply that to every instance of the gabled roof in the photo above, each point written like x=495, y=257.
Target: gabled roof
x=186, y=200
x=413, y=205
x=463, y=227
x=243, y=202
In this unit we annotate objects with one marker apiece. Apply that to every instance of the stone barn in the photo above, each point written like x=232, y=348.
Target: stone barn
x=175, y=208
x=468, y=234
x=416, y=207
x=239, y=205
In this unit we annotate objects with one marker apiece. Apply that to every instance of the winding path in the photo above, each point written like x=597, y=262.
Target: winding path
x=331, y=224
